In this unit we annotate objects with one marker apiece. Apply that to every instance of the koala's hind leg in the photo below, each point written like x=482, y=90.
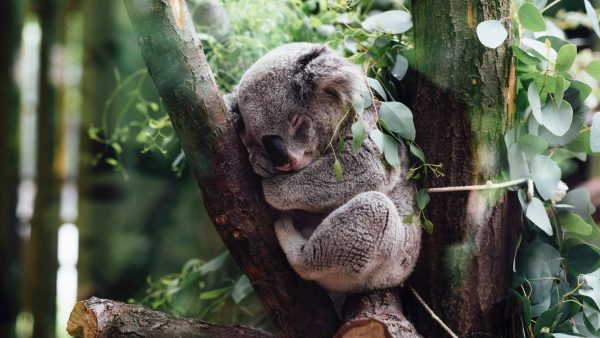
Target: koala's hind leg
x=347, y=245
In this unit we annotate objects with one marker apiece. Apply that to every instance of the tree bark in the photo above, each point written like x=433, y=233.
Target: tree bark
x=102, y=318
x=231, y=191
x=11, y=20
x=44, y=224
x=375, y=314
x=463, y=105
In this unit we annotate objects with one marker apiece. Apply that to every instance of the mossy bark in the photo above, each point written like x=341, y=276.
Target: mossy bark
x=462, y=107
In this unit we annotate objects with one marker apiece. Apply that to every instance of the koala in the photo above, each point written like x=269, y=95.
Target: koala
x=288, y=105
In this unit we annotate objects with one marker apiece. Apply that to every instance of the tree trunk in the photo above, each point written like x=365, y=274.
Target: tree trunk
x=232, y=196
x=44, y=224
x=463, y=105
x=101, y=318
x=11, y=20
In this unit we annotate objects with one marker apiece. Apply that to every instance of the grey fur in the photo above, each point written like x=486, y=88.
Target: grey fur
x=362, y=243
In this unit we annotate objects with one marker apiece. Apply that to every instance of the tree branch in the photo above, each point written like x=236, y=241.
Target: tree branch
x=100, y=318
x=232, y=193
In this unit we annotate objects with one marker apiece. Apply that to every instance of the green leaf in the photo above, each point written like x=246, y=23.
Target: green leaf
x=591, y=287
x=546, y=320
x=593, y=16
x=408, y=219
x=241, y=289
x=417, y=152
x=595, y=134
x=358, y=135
x=516, y=161
x=566, y=57
x=531, y=18
x=213, y=294
x=574, y=223
x=593, y=68
x=378, y=138
x=398, y=118
x=584, y=89
x=580, y=199
x=113, y=162
x=533, y=97
x=582, y=259
x=581, y=143
x=532, y=144
x=117, y=147
x=524, y=57
x=393, y=22
x=390, y=151
x=540, y=264
x=337, y=170
x=422, y=199
x=491, y=33
x=536, y=213
x=557, y=119
x=400, y=67
x=428, y=226
x=559, y=85
x=214, y=264
x=546, y=175
x=376, y=86
x=539, y=49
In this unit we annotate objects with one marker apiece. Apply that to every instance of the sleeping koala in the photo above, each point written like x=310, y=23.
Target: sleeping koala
x=289, y=103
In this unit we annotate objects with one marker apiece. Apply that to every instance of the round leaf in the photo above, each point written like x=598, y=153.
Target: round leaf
x=557, y=119
x=491, y=33
x=531, y=18
x=393, y=22
x=533, y=97
x=532, y=144
x=400, y=67
x=546, y=175
x=595, y=134
x=540, y=264
x=573, y=223
x=593, y=68
x=398, y=118
x=536, y=213
x=566, y=57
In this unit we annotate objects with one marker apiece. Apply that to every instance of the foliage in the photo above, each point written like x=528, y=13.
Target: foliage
x=557, y=264
x=201, y=290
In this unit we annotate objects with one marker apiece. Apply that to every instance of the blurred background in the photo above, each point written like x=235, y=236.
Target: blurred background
x=95, y=197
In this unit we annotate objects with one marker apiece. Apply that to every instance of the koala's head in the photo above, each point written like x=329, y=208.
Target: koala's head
x=290, y=101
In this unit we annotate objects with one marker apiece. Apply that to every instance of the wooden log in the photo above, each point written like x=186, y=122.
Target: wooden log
x=376, y=314
x=100, y=318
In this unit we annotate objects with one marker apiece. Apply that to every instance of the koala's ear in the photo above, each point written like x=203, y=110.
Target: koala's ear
x=321, y=71
x=231, y=101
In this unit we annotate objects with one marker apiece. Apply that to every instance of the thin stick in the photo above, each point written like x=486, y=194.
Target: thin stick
x=432, y=314
x=488, y=185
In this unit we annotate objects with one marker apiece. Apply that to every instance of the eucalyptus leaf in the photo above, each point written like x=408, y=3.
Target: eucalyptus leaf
x=593, y=68
x=214, y=264
x=390, y=151
x=591, y=14
x=525, y=57
x=373, y=83
x=393, y=22
x=595, y=134
x=398, y=118
x=358, y=135
x=539, y=48
x=418, y=153
x=378, y=138
x=337, y=170
x=400, y=67
x=422, y=199
x=566, y=57
x=574, y=223
x=591, y=287
x=536, y=213
x=241, y=289
x=557, y=119
x=546, y=175
x=580, y=199
x=546, y=320
x=517, y=163
x=531, y=18
x=540, y=264
x=532, y=144
x=533, y=97
x=491, y=33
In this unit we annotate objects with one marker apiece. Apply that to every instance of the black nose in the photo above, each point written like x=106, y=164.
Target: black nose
x=276, y=150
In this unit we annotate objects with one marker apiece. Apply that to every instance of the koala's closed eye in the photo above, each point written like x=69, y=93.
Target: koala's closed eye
x=295, y=121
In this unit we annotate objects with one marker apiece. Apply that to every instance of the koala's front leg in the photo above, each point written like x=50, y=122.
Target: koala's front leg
x=315, y=187
x=363, y=245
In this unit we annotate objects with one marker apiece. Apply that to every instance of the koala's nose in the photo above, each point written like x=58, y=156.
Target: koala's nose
x=276, y=150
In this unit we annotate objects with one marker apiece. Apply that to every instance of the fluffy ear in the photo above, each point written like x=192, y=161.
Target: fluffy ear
x=231, y=101
x=322, y=71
